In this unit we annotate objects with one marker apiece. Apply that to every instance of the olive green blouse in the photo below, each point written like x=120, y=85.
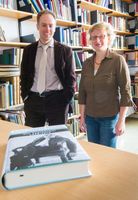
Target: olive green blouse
x=104, y=93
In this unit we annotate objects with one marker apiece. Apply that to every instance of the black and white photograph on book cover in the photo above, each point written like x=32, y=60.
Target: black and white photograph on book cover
x=40, y=148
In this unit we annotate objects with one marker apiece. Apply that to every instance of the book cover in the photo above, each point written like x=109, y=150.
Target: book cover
x=26, y=6
x=43, y=155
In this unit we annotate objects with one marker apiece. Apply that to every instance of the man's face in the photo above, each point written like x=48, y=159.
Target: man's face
x=46, y=27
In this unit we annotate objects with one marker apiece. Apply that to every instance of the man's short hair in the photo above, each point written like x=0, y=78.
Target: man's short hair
x=45, y=12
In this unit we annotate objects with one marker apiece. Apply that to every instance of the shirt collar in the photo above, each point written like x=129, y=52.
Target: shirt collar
x=108, y=53
x=49, y=44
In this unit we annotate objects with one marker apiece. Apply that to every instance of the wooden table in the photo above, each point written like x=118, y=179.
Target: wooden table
x=115, y=176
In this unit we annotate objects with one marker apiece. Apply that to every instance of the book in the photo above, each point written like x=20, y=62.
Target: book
x=77, y=60
x=59, y=34
x=4, y=95
x=36, y=5
x=42, y=155
x=73, y=6
x=40, y=4
x=26, y=6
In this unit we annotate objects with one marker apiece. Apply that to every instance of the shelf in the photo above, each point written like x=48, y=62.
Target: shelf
x=135, y=115
x=92, y=6
x=18, y=107
x=74, y=117
x=85, y=26
x=122, y=32
x=128, y=1
x=81, y=135
x=5, y=12
x=118, y=14
x=20, y=14
x=122, y=49
x=78, y=71
x=13, y=44
x=61, y=22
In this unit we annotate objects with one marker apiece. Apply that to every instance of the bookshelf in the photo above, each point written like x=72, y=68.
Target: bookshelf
x=83, y=4
x=132, y=54
x=92, y=6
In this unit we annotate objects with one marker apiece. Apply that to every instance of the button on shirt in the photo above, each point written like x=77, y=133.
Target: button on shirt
x=52, y=80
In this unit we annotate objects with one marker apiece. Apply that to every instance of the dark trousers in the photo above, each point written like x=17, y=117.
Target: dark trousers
x=49, y=108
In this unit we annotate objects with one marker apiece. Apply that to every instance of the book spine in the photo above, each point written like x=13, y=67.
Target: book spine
x=40, y=4
x=35, y=5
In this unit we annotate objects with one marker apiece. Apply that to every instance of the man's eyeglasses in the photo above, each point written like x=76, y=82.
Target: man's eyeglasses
x=100, y=37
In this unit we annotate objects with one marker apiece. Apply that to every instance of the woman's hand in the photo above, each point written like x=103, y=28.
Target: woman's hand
x=82, y=125
x=120, y=127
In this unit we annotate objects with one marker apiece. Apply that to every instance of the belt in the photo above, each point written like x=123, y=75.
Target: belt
x=46, y=93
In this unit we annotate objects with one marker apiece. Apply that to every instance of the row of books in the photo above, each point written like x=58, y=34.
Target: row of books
x=132, y=24
x=136, y=103
x=133, y=8
x=118, y=5
x=73, y=126
x=132, y=58
x=78, y=77
x=16, y=116
x=69, y=10
x=11, y=56
x=119, y=23
x=9, y=92
x=31, y=5
x=71, y=36
x=133, y=69
x=120, y=42
x=9, y=70
x=10, y=4
x=79, y=37
x=132, y=41
x=134, y=89
x=66, y=9
x=83, y=15
x=80, y=57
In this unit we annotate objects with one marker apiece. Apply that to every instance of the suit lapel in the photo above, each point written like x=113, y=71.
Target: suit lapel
x=58, y=61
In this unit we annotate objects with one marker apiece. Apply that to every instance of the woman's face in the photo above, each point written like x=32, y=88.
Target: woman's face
x=99, y=39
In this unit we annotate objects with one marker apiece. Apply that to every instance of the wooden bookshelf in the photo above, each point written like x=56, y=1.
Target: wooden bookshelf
x=5, y=12
x=92, y=6
x=13, y=44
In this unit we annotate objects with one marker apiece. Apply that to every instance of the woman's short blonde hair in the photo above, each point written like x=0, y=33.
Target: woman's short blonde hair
x=107, y=27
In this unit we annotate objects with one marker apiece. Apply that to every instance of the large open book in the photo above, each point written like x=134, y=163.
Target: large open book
x=43, y=155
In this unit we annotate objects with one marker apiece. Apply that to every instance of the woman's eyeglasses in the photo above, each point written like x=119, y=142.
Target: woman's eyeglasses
x=100, y=37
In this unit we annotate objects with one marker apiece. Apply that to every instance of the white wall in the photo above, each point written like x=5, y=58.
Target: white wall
x=10, y=27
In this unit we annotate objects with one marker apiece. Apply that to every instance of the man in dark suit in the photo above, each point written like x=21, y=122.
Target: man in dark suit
x=52, y=104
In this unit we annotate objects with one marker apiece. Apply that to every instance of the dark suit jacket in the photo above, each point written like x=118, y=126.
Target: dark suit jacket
x=64, y=68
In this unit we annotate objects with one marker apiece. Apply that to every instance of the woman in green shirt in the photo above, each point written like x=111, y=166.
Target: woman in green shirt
x=105, y=89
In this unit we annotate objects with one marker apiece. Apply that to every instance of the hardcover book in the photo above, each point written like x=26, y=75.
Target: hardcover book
x=43, y=155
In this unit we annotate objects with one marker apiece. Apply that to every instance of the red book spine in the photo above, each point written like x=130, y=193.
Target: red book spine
x=84, y=38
